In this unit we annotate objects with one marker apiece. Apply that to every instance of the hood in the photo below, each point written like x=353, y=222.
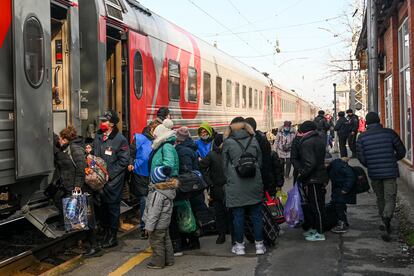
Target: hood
x=239, y=131
x=168, y=136
x=167, y=188
x=189, y=143
x=207, y=127
x=147, y=133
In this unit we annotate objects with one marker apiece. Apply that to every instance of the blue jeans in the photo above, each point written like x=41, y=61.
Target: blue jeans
x=142, y=200
x=257, y=220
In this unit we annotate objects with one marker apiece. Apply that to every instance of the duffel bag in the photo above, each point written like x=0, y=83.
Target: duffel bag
x=191, y=182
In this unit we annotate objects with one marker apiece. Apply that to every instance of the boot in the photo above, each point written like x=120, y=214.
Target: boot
x=112, y=239
x=92, y=252
x=105, y=236
x=221, y=238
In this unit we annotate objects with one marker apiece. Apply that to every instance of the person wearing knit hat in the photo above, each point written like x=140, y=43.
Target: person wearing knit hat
x=205, y=142
x=342, y=130
x=309, y=161
x=160, y=174
x=182, y=134
x=379, y=149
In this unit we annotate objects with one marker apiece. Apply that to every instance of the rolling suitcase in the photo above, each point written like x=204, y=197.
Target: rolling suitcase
x=270, y=227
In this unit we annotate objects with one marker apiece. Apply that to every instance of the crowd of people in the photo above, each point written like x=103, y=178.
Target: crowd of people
x=238, y=168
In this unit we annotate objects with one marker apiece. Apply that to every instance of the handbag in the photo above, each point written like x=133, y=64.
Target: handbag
x=276, y=208
x=191, y=181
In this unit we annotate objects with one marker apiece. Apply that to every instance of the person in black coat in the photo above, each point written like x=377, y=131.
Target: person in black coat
x=213, y=172
x=353, y=125
x=379, y=149
x=277, y=172
x=266, y=168
x=113, y=148
x=343, y=182
x=322, y=124
x=313, y=176
x=342, y=129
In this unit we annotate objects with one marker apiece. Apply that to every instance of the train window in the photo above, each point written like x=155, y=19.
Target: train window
x=173, y=80
x=219, y=91
x=250, y=97
x=261, y=100
x=192, y=85
x=237, y=95
x=206, y=88
x=138, y=85
x=34, y=60
x=228, y=93
x=255, y=99
x=244, y=97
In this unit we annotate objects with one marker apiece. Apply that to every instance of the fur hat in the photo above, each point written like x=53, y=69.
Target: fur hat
x=160, y=174
x=307, y=126
x=182, y=134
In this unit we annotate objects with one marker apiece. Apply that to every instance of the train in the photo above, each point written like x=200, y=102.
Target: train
x=64, y=62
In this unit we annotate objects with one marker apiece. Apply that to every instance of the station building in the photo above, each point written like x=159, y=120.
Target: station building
x=395, y=19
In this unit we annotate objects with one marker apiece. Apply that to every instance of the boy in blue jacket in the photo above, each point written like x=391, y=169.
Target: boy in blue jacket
x=343, y=181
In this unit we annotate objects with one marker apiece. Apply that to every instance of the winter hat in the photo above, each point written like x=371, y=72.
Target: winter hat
x=341, y=114
x=182, y=134
x=287, y=123
x=162, y=113
x=307, y=126
x=110, y=116
x=206, y=126
x=164, y=128
x=321, y=112
x=372, y=118
x=349, y=111
x=237, y=120
x=252, y=122
x=160, y=174
x=218, y=140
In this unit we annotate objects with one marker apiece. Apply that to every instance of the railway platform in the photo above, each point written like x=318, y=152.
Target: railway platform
x=358, y=252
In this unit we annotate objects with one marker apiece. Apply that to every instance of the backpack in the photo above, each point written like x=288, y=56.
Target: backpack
x=95, y=172
x=247, y=163
x=362, y=183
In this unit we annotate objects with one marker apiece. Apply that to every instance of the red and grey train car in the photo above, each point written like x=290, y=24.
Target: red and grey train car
x=65, y=62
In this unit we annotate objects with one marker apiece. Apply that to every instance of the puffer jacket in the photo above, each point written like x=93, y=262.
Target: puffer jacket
x=342, y=178
x=187, y=155
x=241, y=191
x=140, y=152
x=353, y=123
x=164, y=153
x=71, y=163
x=342, y=127
x=284, y=143
x=379, y=149
x=311, y=156
x=159, y=205
x=213, y=173
x=204, y=147
x=115, y=152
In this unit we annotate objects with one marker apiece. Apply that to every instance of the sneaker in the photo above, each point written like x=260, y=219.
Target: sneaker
x=308, y=233
x=316, y=237
x=340, y=228
x=238, y=249
x=153, y=266
x=260, y=248
x=169, y=264
x=178, y=254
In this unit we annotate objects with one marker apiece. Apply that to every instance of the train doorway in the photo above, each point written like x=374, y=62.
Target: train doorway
x=116, y=78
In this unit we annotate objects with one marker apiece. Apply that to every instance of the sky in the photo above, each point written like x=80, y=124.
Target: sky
x=310, y=34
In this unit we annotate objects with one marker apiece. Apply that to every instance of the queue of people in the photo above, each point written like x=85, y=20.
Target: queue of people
x=238, y=168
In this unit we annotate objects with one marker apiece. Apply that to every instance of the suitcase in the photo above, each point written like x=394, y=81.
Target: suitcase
x=270, y=227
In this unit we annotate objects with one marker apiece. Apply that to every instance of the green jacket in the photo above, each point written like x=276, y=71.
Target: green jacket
x=241, y=191
x=165, y=153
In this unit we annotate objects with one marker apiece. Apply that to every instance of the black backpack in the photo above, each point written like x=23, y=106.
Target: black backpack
x=247, y=163
x=362, y=183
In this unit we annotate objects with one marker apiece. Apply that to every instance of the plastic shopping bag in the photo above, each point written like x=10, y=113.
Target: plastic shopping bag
x=75, y=212
x=185, y=217
x=282, y=196
x=293, y=210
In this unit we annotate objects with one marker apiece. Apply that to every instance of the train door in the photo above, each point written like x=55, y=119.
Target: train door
x=116, y=77
x=32, y=86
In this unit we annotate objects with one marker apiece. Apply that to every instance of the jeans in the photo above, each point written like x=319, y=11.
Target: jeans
x=386, y=192
x=257, y=219
x=142, y=200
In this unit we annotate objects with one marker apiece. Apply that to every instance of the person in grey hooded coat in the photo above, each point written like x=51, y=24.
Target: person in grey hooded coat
x=243, y=194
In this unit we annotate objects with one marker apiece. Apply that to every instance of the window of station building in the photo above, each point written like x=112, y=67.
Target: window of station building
x=34, y=52
x=405, y=88
x=388, y=102
x=250, y=97
x=219, y=91
x=192, y=85
x=237, y=95
x=173, y=80
x=255, y=99
x=228, y=93
x=138, y=85
x=261, y=100
x=244, y=96
x=206, y=88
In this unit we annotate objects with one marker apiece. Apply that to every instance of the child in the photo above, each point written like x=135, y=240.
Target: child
x=343, y=191
x=157, y=216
